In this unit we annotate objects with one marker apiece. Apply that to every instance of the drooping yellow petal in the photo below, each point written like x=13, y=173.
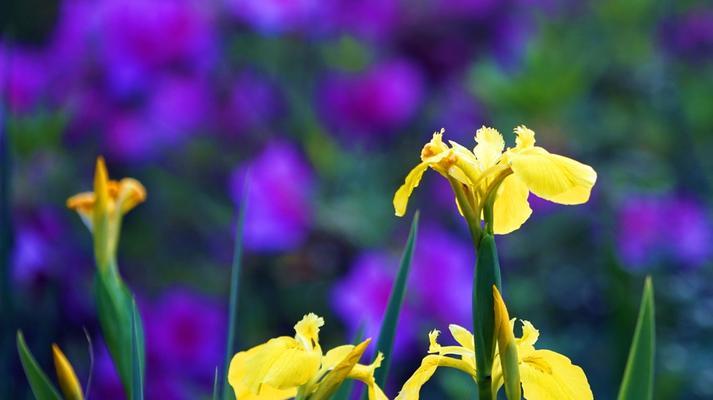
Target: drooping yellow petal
x=365, y=374
x=462, y=336
x=511, y=208
x=553, y=177
x=404, y=192
x=412, y=387
x=490, y=146
x=281, y=363
x=548, y=375
x=130, y=193
x=68, y=381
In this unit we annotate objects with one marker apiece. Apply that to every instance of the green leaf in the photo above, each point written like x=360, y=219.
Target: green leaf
x=387, y=332
x=41, y=386
x=137, y=364
x=215, y=385
x=115, y=309
x=638, y=381
x=234, y=288
x=487, y=274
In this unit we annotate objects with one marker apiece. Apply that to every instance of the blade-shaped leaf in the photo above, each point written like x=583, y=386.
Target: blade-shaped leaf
x=330, y=383
x=638, y=381
x=387, y=332
x=41, y=386
x=137, y=364
x=487, y=275
x=234, y=287
x=115, y=309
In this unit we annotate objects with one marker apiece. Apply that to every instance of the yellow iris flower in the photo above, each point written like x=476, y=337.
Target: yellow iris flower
x=507, y=174
x=544, y=374
x=102, y=209
x=295, y=367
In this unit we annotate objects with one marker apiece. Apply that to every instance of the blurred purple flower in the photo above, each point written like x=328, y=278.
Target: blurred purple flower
x=369, y=19
x=442, y=276
x=690, y=35
x=438, y=294
x=652, y=228
x=374, y=102
x=277, y=16
x=185, y=333
x=254, y=103
x=360, y=299
x=24, y=74
x=106, y=384
x=279, y=212
x=36, y=251
x=478, y=9
x=138, y=38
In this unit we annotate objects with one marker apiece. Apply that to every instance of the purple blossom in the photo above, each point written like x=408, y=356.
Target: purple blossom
x=438, y=293
x=690, y=35
x=36, y=251
x=442, y=276
x=279, y=212
x=254, y=103
x=185, y=333
x=360, y=298
x=374, y=102
x=106, y=383
x=277, y=16
x=369, y=19
x=24, y=75
x=138, y=39
x=655, y=228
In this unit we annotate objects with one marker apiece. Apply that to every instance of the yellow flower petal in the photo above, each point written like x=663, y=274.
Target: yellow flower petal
x=525, y=138
x=336, y=366
x=68, y=381
x=307, y=331
x=411, y=182
x=365, y=374
x=490, y=146
x=412, y=387
x=462, y=336
x=281, y=363
x=511, y=208
x=553, y=177
x=130, y=193
x=507, y=348
x=548, y=375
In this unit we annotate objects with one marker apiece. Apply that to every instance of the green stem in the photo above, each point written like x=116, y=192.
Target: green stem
x=485, y=391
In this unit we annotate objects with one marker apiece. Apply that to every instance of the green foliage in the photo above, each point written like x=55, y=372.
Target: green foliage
x=41, y=386
x=234, y=289
x=638, y=381
x=137, y=363
x=487, y=274
x=122, y=329
x=388, y=326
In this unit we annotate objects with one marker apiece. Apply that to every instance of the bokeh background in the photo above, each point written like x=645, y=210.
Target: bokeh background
x=327, y=104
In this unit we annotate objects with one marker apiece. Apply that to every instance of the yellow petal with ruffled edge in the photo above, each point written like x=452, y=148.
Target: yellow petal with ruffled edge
x=553, y=177
x=548, y=375
x=410, y=183
x=511, y=208
x=282, y=363
x=490, y=146
x=412, y=387
x=462, y=336
x=365, y=374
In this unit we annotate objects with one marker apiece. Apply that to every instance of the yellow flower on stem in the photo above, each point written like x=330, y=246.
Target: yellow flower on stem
x=102, y=209
x=493, y=183
x=544, y=374
x=68, y=381
x=295, y=367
